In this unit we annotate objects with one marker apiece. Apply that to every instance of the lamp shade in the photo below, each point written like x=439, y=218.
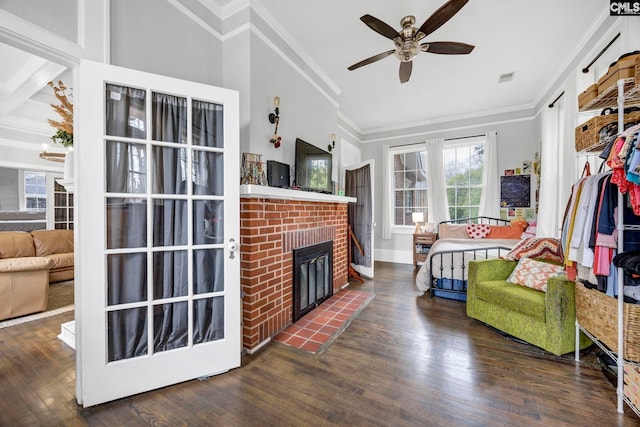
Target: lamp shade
x=417, y=217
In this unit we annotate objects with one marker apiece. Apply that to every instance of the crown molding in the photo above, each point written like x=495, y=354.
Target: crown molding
x=284, y=35
x=24, y=35
x=445, y=130
x=195, y=18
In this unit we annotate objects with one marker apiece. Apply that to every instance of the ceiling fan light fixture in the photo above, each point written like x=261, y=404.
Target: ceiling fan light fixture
x=407, y=40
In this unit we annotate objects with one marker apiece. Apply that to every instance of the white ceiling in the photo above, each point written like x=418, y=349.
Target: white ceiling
x=533, y=40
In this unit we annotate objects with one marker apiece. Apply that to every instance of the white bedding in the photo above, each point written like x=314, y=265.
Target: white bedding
x=464, y=246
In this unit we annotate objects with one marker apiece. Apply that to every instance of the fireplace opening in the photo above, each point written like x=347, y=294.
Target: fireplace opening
x=312, y=277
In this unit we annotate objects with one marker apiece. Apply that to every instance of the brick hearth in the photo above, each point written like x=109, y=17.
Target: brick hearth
x=271, y=226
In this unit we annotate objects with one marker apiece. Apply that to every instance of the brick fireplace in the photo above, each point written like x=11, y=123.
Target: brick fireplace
x=274, y=222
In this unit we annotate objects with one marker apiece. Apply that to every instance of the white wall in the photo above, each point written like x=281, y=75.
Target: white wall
x=57, y=16
x=516, y=142
x=304, y=111
x=9, y=189
x=153, y=36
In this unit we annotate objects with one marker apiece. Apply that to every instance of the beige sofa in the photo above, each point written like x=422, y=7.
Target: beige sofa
x=28, y=263
x=56, y=245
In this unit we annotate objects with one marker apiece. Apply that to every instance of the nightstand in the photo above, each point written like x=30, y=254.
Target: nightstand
x=421, y=245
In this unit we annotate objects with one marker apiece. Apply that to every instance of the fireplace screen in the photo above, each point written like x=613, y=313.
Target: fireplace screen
x=312, y=277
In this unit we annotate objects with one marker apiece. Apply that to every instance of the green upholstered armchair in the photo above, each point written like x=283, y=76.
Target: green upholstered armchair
x=545, y=319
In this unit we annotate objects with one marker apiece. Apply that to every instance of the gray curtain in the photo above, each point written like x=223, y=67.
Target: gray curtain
x=358, y=184
x=126, y=165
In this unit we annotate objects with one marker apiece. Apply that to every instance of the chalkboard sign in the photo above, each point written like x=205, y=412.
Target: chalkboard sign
x=515, y=191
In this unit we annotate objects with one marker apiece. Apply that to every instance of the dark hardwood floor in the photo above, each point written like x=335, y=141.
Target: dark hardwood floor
x=405, y=360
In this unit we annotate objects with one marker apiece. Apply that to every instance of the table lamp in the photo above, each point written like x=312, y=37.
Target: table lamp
x=417, y=218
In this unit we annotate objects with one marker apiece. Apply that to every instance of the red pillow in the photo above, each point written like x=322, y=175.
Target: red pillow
x=478, y=231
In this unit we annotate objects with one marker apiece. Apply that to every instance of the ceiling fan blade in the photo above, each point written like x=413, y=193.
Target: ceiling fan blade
x=447, y=48
x=379, y=27
x=405, y=71
x=442, y=15
x=370, y=60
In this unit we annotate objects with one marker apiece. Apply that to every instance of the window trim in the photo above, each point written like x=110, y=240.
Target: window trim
x=22, y=189
x=464, y=142
x=400, y=149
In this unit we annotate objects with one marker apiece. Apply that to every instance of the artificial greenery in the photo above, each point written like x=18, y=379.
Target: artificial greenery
x=63, y=137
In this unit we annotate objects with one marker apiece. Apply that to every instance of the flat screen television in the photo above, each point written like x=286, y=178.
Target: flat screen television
x=313, y=168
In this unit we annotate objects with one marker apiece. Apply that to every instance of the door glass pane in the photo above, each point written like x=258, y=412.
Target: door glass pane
x=169, y=222
x=169, y=118
x=208, y=270
x=170, y=274
x=122, y=343
x=304, y=280
x=169, y=170
x=126, y=278
x=208, y=176
x=125, y=111
x=320, y=268
x=208, y=319
x=126, y=223
x=208, y=223
x=170, y=326
x=126, y=167
x=207, y=124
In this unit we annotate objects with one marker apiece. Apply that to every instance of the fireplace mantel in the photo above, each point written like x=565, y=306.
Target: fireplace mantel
x=266, y=192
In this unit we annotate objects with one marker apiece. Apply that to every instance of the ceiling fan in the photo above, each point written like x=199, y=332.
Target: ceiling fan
x=407, y=40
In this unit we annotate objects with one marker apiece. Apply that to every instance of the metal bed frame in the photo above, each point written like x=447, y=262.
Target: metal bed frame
x=456, y=287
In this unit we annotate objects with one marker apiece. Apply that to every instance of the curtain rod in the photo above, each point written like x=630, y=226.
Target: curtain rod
x=556, y=100
x=586, y=69
x=464, y=137
x=446, y=139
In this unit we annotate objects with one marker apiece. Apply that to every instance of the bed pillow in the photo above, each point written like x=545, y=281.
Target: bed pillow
x=452, y=231
x=513, y=231
x=534, y=274
x=541, y=248
x=478, y=231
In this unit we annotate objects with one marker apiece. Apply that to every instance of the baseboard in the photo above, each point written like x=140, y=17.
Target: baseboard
x=389, y=255
x=68, y=333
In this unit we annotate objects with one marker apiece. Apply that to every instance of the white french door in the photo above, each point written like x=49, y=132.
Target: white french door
x=157, y=267
x=362, y=220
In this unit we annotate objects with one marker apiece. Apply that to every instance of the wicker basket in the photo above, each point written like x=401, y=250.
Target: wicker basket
x=637, y=76
x=598, y=314
x=588, y=133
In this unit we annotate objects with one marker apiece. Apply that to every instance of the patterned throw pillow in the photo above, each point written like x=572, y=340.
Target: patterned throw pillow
x=478, y=231
x=534, y=274
x=542, y=248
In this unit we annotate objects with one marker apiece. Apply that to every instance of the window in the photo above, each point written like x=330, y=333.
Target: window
x=35, y=191
x=63, y=208
x=409, y=183
x=463, y=166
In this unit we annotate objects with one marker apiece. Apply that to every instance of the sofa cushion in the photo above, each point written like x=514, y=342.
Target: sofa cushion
x=24, y=264
x=60, y=260
x=513, y=297
x=534, y=274
x=16, y=244
x=49, y=242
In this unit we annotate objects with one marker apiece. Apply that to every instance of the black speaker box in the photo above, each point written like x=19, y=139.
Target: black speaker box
x=277, y=174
